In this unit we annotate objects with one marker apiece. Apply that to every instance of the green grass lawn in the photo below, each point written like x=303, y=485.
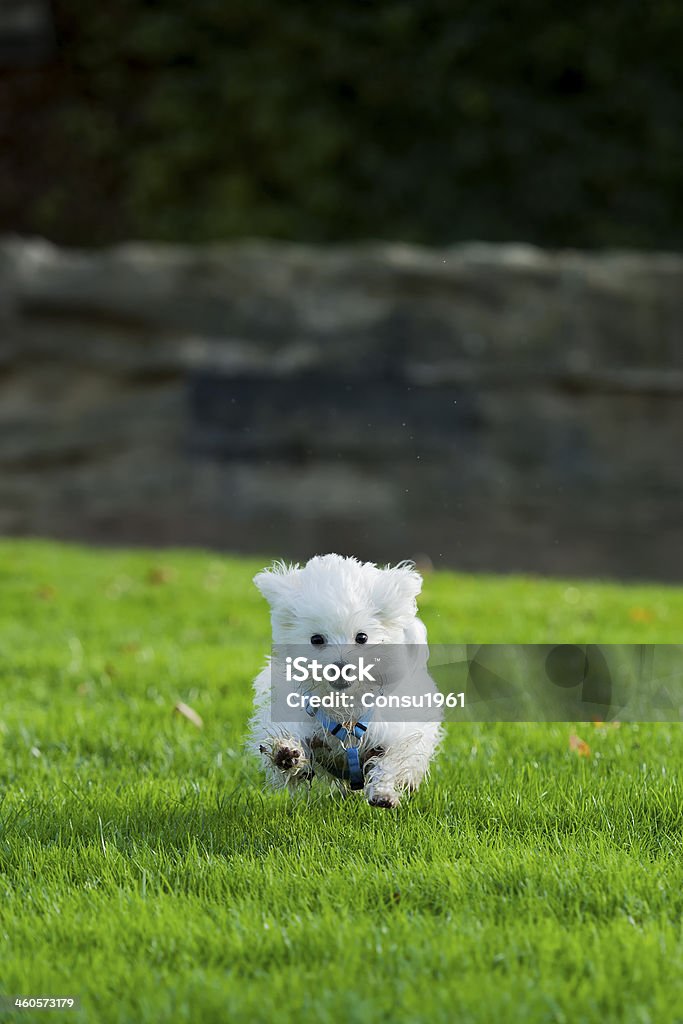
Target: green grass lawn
x=144, y=869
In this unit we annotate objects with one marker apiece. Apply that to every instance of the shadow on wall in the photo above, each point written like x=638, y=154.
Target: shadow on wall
x=492, y=408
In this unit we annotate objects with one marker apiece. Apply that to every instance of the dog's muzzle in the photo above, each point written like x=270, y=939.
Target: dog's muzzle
x=341, y=683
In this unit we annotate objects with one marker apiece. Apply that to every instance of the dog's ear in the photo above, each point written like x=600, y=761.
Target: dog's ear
x=395, y=591
x=277, y=582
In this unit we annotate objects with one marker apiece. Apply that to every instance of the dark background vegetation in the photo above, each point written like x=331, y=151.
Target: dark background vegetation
x=426, y=121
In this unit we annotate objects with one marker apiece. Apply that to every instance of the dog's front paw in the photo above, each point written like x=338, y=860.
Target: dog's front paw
x=381, y=797
x=285, y=758
x=384, y=801
x=288, y=759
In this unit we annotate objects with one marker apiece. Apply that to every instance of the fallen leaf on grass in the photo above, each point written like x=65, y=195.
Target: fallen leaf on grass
x=579, y=745
x=640, y=615
x=189, y=713
x=160, y=574
x=423, y=563
x=46, y=592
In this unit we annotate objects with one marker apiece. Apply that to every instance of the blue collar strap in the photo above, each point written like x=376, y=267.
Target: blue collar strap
x=354, y=771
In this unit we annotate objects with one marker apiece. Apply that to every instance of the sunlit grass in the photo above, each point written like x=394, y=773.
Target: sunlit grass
x=144, y=869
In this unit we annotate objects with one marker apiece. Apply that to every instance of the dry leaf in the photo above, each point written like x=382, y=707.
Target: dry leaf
x=160, y=574
x=189, y=713
x=579, y=745
x=46, y=592
x=640, y=615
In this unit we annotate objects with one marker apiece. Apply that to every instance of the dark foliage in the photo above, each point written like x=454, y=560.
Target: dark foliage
x=427, y=121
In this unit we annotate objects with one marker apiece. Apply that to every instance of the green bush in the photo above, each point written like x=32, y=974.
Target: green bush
x=429, y=122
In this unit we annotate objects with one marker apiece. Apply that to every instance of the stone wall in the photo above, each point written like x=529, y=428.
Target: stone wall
x=489, y=407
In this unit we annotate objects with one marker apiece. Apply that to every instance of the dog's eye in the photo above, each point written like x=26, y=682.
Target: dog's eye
x=318, y=640
x=361, y=638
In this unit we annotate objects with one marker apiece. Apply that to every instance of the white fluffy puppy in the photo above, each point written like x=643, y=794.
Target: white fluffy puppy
x=333, y=608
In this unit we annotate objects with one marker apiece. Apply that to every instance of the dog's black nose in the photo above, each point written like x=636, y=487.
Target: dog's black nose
x=340, y=683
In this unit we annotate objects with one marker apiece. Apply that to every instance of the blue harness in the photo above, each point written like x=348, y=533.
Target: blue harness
x=354, y=772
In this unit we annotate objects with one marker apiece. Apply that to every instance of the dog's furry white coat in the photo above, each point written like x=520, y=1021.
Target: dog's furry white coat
x=344, y=602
